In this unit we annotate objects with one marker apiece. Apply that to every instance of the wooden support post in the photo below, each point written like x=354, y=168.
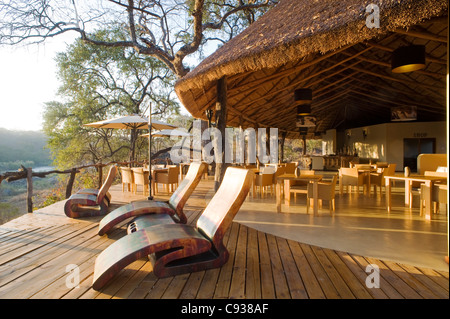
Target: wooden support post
x=221, y=121
x=70, y=182
x=283, y=138
x=29, y=190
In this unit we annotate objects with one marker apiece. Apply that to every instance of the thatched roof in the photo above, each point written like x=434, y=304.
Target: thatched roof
x=299, y=42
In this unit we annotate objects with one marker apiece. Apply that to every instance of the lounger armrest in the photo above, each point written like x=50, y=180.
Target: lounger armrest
x=131, y=210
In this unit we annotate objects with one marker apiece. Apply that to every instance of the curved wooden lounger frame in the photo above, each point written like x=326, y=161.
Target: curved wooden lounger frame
x=176, y=248
x=174, y=206
x=90, y=202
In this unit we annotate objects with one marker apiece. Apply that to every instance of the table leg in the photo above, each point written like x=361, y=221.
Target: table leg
x=278, y=195
x=315, y=197
x=287, y=192
x=428, y=196
x=387, y=184
x=407, y=192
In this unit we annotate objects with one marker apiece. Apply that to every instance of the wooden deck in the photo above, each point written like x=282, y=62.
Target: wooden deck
x=36, y=249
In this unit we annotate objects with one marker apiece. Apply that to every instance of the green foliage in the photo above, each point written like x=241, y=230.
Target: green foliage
x=7, y=212
x=27, y=148
x=99, y=83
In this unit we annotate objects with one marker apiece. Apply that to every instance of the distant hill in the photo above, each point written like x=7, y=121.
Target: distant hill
x=23, y=147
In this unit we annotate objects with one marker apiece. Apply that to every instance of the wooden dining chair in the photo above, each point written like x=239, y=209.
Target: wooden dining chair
x=168, y=178
x=350, y=177
x=326, y=191
x=127, y=179
x=377, y=178
x=140, y=178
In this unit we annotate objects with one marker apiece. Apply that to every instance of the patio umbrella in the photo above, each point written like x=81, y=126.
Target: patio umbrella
x=136, y=122
x=167, y=132
x=131, y=122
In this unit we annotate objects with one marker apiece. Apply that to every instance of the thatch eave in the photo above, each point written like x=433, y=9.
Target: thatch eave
x=271, y=43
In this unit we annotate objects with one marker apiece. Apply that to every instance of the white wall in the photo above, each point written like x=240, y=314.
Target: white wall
x=384, y=142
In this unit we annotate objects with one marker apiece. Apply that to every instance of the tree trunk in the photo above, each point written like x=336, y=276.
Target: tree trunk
x=221, y=121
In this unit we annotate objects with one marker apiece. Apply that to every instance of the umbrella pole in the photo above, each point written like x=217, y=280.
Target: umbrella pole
x=150, y=197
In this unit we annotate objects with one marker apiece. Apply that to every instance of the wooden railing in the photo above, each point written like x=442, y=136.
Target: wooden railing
x=28, y=174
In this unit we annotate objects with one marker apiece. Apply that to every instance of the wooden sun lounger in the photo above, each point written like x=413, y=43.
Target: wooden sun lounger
x=90, y=202
x=177, y=248
x=173, y=207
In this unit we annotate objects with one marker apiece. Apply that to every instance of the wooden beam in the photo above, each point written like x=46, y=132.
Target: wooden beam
x=431, y=87
x=388, y=65
x=388, y=49
x=422, y=35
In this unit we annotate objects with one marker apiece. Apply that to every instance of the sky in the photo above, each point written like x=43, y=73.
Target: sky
x=27, y=81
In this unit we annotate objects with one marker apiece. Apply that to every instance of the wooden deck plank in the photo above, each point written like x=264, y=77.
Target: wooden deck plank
x=279, y=278
x=17, y=267
x=261, y=265
x=223, y=282
x=192, y=286
x=436, y=277
x=252, y=280
x=390, y=276
x=412, y=282
x=267, y=285
x=361, y=275
x=237, y=286
x=296, y=287
x=357, y=288
x=339, y=283
x=434, y=288
x=385, y=285
x=310, y=281
x=321, y=275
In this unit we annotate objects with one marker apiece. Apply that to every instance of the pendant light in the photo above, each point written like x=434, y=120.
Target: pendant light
x=303, y=99
x=408, y=58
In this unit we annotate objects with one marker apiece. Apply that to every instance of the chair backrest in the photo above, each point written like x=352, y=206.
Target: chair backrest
x=107, y=184
x=347, y=171
x=220, y=212
x=290, y=168
x=186, y=187
x=127, y=175
x=280, y=171
x=268, y=170
x=173, y=172
x=390, y=170
x=330, y=188
x=139, y=177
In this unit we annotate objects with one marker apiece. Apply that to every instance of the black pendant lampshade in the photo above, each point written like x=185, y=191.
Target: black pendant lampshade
x=408, y=58
x=304, y=109
x=303, y=96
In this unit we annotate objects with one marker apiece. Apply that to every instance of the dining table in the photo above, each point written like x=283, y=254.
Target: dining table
x=428, y=182
x=286, y=180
